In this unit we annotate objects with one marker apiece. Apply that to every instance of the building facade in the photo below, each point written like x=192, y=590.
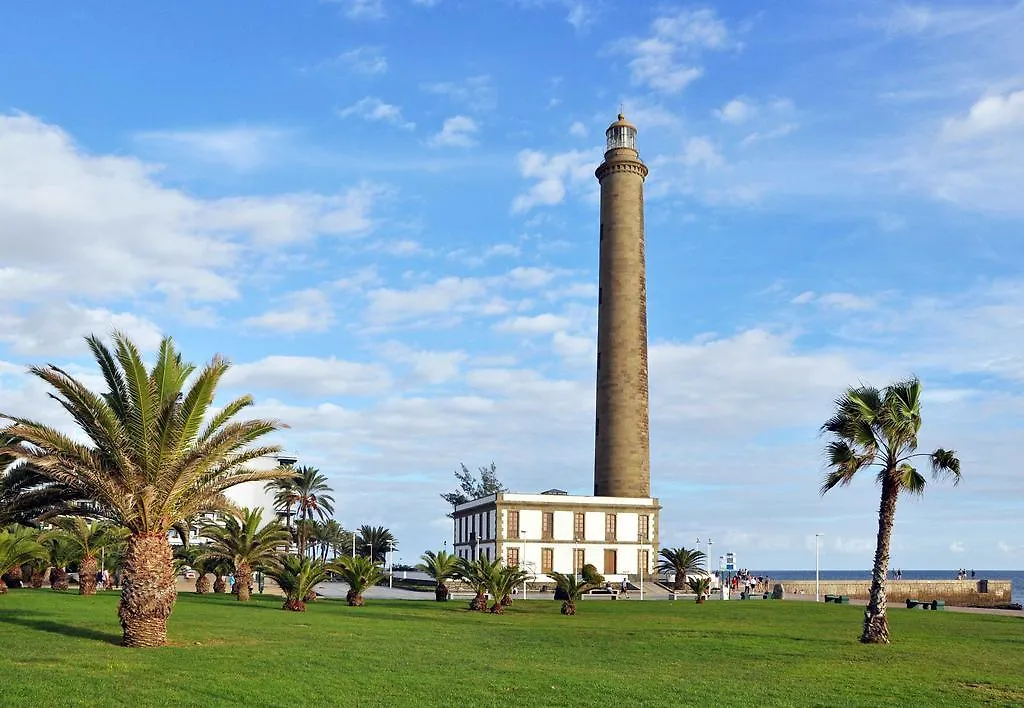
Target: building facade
x=554, y=531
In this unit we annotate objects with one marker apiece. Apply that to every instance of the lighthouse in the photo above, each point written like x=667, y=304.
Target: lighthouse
x=622, y=457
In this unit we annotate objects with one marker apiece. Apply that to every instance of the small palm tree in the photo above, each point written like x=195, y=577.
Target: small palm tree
x=572, y=589
x=441, y=566
x=297, y=576
x=156, y=453
x=700, y=585
x=683, y=562
x=313, y=500
x=360, y=573
x=477, y=574
x=245, y=544
x=878, y=429
x=85, y=539
x=502, y=580
x=17, y=547
x=60, y=553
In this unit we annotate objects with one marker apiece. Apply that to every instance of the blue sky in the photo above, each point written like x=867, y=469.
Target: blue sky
x=384, y=212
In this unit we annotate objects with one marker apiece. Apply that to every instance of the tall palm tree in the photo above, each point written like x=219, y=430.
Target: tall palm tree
x=313, y=500
x=683, y=562
x=18, y=546
x=375, y=541
x=156, y=454
x=572, y=588
x=878, y=429
x=331, y=538
x=441, y=566
x=245, y=544
x=297, y=576
x=360, y=573
x=86, y=539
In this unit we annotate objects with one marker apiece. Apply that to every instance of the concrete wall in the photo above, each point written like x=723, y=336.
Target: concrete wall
x=955, y=593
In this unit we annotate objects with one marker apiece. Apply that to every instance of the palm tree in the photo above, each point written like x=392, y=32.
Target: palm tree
x=85, y=539
x=683, y=562
x=245, y=544
x=331, y=537
x=375, y=541
x=360, y=573
x=701, y=585
x=25, y=494
x=194, y=558
x=60, y=552
x=154, y=457
x=440, y=566
x=873, y=428
x=313, y=500
x=477, y=575
x=17, y=547
x=501, y=581
x=297, y=576
x=572, y=588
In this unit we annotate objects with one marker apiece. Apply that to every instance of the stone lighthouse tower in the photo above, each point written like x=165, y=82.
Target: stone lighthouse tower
x=622, y=458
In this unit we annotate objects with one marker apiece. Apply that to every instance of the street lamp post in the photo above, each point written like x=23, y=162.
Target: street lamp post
x=522, y=561
x=817, y=537
x=391, y=554
x=709, y=556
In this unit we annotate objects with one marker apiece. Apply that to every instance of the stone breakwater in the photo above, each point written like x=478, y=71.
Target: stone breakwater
x=955, y=593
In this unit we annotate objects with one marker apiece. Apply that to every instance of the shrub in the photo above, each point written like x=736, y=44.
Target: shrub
x=591, y=576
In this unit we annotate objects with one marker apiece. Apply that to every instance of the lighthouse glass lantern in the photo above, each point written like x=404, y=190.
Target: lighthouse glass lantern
x=621, y=134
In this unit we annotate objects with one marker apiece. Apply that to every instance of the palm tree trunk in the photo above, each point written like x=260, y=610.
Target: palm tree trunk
x=243, y=579
x=497, y=608
x=354, y=599
x=202, y=584
x=3, y=587
x=568, y=607
x=38, y=578
x=87, y=575
x=441, y=592
x=219, y=585
x=148, y=593
x=59, y=579
x=876, y=625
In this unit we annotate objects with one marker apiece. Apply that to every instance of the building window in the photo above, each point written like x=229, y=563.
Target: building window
x=644, y=528
x=578, y=560
x=643, y=562
x=609, y=561
x=579, y=526
x=610, y=527
x=512, y=558
x=547, y=527
x=513, y=525
x=547, y=560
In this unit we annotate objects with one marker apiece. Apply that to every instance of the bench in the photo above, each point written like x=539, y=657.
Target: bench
x=601, y=595
x=926, y=604
x=838, y=599
x=461, y=594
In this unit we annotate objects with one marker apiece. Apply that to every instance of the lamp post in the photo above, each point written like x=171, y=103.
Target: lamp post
x=391, y=554
x=522, y=561
x=709, y=555
x=817, y=537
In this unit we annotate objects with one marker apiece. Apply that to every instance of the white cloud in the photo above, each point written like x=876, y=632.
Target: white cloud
x=446, y=296
x=303, y=311
x=701, y=152
x=578, y=130
x=989, y=115
x=546, y=323
x=554, y=175
x=666, y=60
x=457, y=131
x=241, y=148
x=367, y=60
x=62, y=329
x=372, y=108
x=426, y=366
x=426, y=3
x=736, y=111
x=760, y=136
x=476, y=93
x=836, y=301
x=310, y=376
x=361, y=9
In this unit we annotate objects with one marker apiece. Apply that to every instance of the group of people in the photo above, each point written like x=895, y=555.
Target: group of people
x=107, y=581
x=743, y=580
x=962, y=574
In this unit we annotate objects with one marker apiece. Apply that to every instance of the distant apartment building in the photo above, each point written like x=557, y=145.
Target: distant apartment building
x=554, y=531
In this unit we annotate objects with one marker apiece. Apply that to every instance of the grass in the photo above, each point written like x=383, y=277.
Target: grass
x=63, y=648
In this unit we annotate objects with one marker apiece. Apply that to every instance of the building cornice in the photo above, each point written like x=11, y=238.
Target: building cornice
x=632, y=166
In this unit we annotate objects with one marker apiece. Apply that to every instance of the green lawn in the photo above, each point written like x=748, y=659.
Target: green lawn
x=63, y=649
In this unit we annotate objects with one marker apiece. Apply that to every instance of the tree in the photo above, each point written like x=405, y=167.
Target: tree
x=472, y=488
x=375, y=542
x=60, y=552
x=17, y=547
x=285, y=496
x=441, y=566
x=297, y=576
x=330, y=538
x=156, y=454
x=502, y=579
x=85, y=539
x=360, y=573
x=193, y=557
x=313, y=500
x=477, y=574
x=26, y=495
x=683, y=562
x=572, y=590
x=701, y=585
x=878, y=429
x=246, y=544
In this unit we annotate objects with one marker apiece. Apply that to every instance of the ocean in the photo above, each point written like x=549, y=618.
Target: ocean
x=1017, y=576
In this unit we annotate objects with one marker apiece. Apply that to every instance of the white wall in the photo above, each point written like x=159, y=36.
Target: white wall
x=255, y=494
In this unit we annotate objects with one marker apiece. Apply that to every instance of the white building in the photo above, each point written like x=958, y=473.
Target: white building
x=248, y=495
x=554, y=531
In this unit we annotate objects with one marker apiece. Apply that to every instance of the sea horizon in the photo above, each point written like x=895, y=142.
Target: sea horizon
x=1016, y=577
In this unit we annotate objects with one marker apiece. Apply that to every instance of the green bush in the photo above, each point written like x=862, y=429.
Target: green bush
x=591, y=576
